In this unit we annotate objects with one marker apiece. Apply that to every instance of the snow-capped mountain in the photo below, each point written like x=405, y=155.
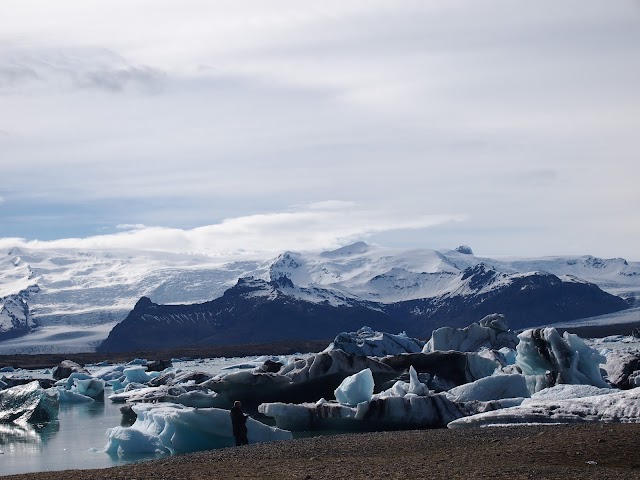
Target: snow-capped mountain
x=77, y=289
x=15, y=317
x=391, y=275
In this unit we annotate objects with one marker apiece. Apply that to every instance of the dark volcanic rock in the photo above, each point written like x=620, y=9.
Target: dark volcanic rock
x=623, y=368
x=66, y=368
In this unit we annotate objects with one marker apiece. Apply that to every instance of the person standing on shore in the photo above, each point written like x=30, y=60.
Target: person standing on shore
x=239, y=423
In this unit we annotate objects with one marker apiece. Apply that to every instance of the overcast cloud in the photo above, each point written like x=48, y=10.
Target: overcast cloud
x=247, y=126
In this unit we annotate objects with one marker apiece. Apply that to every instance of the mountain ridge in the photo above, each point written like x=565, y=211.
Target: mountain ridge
x=84, y=288
x=257, y=310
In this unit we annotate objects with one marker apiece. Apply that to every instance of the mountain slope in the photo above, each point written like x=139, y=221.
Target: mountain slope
x=250, y=312
x=259, y=311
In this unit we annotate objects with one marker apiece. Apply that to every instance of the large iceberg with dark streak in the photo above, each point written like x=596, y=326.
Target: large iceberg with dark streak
x=404, y=405
x=557, y=359
x=28, y=403
x=302, y=380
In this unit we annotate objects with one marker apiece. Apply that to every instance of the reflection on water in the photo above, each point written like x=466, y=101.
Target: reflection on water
x=25, y=439
x=74, y=441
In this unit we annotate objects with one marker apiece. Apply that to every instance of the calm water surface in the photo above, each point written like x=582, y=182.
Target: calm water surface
x=74, y=441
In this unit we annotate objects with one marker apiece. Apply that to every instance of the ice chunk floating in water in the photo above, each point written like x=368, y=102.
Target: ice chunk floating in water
x=172, y=428
x=27, y=403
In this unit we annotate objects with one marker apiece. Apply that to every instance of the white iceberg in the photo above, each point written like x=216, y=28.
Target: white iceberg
x=616, y=407
x=67, y=396
x=495, y=387
x=90, y=387
x=401, y=388
x=355, y=388
x=187, y=395
x=491, y=332
x=368, y=342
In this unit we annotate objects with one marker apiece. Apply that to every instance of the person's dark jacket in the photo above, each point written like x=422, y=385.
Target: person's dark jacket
x=239, y=422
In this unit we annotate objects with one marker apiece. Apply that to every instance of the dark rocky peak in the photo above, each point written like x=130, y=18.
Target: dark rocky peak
x=353, y=249
x=465, y=249
x=143, y=304
x=282, y=282
x=246, y=285
x=479, y=275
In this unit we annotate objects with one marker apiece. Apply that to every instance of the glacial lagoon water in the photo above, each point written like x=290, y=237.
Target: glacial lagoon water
x=74, y=441
x=77, y=438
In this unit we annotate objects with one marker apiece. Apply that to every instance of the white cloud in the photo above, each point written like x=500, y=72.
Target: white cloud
x=518, y=114
x=311, y=228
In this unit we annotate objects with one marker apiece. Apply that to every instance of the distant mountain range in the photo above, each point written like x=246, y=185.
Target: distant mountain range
x=188, y=299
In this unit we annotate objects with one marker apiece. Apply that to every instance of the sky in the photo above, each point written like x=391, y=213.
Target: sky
x=249, y=126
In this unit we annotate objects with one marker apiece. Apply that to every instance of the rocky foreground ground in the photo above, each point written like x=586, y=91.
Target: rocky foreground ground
x=602, y=451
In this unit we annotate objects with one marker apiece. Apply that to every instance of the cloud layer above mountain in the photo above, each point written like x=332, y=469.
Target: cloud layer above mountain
x=517, y=119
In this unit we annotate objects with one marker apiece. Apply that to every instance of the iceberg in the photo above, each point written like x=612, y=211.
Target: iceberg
x=615, y=407
x=90, y=387
x=67, y=396
x=355, y=388
x=110, y=372
x=447, y=369
x=401, y=388
x=27, y=403
x=491, y=332
x=171, y=428
x=136, y=374
x=381, y=413
x=367, y=342
x=495, y=387
x=66, y=368
x=560, y=359
x=302, y=380
x=566, y=392
x=187, y=395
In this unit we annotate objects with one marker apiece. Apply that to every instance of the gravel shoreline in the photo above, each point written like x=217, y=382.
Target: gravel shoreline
x=593, y=451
